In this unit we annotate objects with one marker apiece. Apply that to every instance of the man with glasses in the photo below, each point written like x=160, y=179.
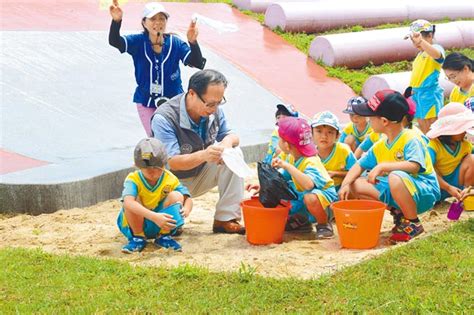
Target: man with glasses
x=195, y=132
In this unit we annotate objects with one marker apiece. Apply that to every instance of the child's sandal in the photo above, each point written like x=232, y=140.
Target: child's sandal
x=298, y=223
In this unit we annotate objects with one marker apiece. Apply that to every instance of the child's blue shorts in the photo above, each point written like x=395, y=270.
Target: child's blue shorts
x=428, y=102
x=326, y=197
x=424, y=190
x=453, y=180
x=150, y=229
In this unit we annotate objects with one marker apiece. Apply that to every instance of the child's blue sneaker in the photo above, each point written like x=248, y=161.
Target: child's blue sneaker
x=166, y=241
x=136, y=244
x=406, y=231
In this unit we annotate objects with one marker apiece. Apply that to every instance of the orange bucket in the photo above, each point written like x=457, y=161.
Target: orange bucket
x=358, y=222
x=264, y=225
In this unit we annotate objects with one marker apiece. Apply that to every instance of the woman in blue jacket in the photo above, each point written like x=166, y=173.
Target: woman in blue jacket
x=156, y=56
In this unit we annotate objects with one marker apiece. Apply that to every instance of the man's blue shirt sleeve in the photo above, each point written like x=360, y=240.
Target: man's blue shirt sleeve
x=164, y=131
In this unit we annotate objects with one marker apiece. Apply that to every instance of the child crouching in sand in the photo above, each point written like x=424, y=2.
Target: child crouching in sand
x=304, y=171
x=402, y=174
x=146, y=193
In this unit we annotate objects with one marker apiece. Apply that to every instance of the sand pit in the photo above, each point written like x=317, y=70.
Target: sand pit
x=92, y=232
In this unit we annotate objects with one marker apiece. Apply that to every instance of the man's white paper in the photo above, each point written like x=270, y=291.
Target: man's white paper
x=234, y=159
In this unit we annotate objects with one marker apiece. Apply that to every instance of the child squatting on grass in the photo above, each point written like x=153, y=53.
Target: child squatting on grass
x=147, y=192
x=336, y=157
x=306, y=174
x=401, y=172
x=358, y=129
x=450, y=151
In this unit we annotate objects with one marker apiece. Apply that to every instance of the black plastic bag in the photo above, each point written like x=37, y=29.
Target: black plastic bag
x=273, y=186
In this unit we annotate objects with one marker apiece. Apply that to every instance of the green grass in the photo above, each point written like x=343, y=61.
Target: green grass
x=433, y=275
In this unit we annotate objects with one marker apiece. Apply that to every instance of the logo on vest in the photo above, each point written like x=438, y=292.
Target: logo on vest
x=186, y=148
x=175, y=75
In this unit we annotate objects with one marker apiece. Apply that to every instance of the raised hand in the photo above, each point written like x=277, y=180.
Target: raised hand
x=115, y=11
x=416, y=38
x=192, y=32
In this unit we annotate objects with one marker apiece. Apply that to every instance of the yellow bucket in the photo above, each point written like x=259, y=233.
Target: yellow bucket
x=469, y=203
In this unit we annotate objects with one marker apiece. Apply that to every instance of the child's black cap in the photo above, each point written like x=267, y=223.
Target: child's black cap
x=385, y=103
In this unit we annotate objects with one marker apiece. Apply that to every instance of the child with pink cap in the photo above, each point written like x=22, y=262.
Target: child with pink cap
x=306, y=173
x=450, y=151
x=401, y=172
x=303, y=170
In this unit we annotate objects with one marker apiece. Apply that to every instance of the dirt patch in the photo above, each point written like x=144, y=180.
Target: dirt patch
x=92, y=231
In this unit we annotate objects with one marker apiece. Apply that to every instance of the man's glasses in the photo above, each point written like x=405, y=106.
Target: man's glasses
x=212, y=105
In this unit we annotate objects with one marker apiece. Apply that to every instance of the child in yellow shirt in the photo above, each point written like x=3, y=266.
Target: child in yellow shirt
x=401, y=172
x=305, y=173
x=358, y=129
x=450, y=151
x=282, y=111
x=424, y=81
x=336, y=157
x=146, y=194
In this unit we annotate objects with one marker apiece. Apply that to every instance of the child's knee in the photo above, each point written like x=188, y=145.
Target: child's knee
x=359, y=185
x=395, y=182
x=466, y=171
x=174, y=197
x=311, y=200
x=467, y=163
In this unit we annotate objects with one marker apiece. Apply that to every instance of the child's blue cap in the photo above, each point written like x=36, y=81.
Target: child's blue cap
x=325, y=118
x=354, y=101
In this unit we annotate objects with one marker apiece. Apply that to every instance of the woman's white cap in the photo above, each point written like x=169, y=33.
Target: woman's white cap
x=153, y=8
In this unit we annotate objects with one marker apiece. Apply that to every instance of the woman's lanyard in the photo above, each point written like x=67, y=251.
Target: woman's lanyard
x=156, y=87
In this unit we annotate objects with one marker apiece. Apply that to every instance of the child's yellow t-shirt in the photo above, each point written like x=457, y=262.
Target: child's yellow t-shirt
x=150, y=196
x=314, y=168
x=351, y=129
x=341, y=158
x=407, y=146
x=445, y=159
x=426, y=69
x=459, y=96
